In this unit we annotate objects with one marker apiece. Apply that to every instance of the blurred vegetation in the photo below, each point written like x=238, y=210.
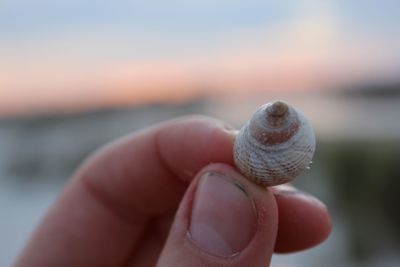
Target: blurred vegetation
x=365, y=181
x=375, y=91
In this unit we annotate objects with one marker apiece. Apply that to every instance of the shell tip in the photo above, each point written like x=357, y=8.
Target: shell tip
x=278, y=109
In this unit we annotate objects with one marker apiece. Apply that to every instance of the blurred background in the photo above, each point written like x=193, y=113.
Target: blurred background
x=77, y=74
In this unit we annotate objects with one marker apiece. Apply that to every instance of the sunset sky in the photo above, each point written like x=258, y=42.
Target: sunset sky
x=68, y=54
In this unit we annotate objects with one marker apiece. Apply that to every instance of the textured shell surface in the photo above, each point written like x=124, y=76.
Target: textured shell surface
x=275, y=145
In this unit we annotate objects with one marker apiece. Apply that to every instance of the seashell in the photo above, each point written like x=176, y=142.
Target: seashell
x=275, y=145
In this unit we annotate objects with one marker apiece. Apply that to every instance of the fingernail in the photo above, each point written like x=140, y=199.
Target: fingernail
x=223, y=217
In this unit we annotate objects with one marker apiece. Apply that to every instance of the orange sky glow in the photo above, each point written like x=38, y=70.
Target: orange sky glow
x=81, y=69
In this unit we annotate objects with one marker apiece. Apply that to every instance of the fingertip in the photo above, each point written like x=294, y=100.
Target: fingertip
x=304, y=221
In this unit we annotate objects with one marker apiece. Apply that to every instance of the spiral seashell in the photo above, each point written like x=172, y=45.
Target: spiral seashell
x=275, y=145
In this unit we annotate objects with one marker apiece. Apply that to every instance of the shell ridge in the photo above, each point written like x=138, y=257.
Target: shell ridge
x=267, y=158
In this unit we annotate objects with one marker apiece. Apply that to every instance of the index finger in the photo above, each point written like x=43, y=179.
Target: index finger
x=99, y=218
x=150, y=170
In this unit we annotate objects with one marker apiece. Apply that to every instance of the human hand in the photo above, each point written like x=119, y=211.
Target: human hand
x=119, y=207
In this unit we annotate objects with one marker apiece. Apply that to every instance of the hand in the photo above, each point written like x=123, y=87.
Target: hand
x=119, y=207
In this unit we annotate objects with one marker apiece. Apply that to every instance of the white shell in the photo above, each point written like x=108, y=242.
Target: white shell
x=275, y=145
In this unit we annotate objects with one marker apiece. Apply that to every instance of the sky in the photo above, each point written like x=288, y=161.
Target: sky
x=70, y=54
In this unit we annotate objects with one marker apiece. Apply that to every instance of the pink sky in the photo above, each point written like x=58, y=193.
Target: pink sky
x=87, y=67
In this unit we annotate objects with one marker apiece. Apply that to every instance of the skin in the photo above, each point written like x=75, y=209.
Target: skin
x=118, y=208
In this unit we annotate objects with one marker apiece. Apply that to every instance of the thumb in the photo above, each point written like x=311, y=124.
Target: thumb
x=223, y=220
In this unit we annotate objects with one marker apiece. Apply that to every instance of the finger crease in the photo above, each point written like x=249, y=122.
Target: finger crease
x=160, y=157
x=109, y=205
